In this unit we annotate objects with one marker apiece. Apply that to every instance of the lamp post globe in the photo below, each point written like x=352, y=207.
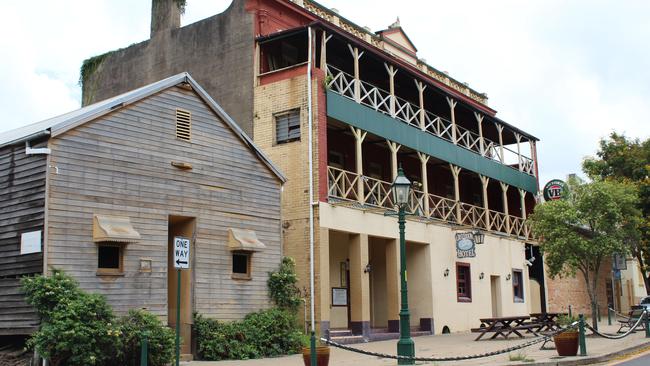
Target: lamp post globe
x=401, y=190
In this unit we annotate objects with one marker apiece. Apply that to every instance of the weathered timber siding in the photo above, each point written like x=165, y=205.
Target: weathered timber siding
x=22, y=205
x=120, y=164
x=217, y=52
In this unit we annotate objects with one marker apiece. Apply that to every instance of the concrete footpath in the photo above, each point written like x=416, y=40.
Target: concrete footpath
x=599, y=350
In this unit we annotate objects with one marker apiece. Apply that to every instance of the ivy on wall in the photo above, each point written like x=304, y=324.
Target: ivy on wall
x=90, y=65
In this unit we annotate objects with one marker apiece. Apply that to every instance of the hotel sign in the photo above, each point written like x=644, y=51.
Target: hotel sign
x=465, y=245
x=554, y=190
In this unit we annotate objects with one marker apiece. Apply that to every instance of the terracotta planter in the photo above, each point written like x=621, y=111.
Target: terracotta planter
x=566, y=343
x=322, y=356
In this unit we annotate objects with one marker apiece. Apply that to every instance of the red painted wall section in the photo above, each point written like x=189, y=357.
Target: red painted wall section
x=283, y=74
x=273, y=16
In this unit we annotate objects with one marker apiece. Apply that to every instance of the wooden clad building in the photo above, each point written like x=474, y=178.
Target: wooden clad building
x=101, y=192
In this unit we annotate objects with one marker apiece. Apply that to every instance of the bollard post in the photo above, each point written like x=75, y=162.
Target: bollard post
x=144, y=350
x=312, y=351
x=609, y=315
x=647, y=324
x=570, y=315
x=583, y=341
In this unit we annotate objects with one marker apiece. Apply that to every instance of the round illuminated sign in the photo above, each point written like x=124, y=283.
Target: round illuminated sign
x=554, y=190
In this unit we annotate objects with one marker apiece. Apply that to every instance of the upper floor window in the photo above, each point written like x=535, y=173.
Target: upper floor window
x=287, y=126
x=518, y=285
x=283, y=52
x=463, y=282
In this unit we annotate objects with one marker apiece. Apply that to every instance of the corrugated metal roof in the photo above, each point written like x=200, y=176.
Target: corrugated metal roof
x=60, y=124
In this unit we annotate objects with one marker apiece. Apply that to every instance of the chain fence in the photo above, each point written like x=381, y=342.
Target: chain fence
x=618, y=314
x=619, y=336
x=451, y=358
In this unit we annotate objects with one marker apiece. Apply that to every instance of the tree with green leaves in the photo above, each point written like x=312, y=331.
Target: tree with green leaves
x=628, y=160
x=590, y=224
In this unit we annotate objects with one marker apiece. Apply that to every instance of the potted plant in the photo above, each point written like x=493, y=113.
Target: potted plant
x=322, y=354
x=566, y=343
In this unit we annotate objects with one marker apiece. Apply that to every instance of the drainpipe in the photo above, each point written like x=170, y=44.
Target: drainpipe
x=311, y=182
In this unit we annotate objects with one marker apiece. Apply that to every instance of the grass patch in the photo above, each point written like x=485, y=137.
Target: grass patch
x=519, y=356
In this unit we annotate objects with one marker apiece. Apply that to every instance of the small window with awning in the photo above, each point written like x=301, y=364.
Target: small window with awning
x=116, y=229
x=242, y=244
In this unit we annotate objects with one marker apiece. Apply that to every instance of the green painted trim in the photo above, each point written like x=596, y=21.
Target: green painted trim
x=365, y=118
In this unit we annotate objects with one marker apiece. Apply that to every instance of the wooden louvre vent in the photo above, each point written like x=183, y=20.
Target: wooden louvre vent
x=183, y=125
x=287, y=126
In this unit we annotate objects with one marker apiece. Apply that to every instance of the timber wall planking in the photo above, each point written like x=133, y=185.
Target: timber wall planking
x=22, y=205
x=120, y=164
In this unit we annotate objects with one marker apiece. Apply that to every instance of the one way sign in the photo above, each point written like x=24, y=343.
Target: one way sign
x=181, y=252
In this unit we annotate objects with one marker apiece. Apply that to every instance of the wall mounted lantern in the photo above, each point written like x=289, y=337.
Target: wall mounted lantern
x=479, y=237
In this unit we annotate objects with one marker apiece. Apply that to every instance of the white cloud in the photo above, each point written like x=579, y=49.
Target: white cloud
x=567, y=72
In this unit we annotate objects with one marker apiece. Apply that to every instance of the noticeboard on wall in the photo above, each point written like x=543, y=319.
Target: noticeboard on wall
x=339, y=296
x=30, y=242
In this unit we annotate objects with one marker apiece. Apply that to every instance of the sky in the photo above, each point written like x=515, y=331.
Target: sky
x=568, y=72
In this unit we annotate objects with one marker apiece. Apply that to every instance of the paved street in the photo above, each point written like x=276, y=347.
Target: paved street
x=642, y=359
x=456, y=345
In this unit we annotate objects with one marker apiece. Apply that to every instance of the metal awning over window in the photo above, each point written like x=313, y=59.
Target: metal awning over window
x=114, y=228
x=244, y=240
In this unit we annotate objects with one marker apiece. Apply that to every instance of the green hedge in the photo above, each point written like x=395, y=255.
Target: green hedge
x=160, y=339
x=79, y=329
x=266, y=333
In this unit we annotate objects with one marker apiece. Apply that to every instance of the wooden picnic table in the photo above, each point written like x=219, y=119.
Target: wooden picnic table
x=502, y=326
x=547, y=321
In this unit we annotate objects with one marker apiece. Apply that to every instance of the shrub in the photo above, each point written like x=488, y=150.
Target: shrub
x=222, y=341
x=265, y=333
x=282, y=286
x=160, y=339
x=274, y=332
x=45, y=293
x=78, y=331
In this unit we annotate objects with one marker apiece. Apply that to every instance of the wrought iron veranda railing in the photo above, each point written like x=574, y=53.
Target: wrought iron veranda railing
x=345, y=185
x=381, y=100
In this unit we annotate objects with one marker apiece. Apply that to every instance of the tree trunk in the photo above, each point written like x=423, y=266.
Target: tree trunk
x=591, y=290
x=594, y=299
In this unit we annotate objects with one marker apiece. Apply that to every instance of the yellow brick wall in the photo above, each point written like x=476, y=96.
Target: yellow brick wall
x=292, y=158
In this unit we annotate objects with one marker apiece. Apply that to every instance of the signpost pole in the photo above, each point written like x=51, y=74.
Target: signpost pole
x=181, y=261
x=178, y=318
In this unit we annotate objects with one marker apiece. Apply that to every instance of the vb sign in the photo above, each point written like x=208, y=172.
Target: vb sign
x=554, y=190
x=181, y=252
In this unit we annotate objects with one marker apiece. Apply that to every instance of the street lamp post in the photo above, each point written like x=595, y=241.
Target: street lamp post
x=401, y=190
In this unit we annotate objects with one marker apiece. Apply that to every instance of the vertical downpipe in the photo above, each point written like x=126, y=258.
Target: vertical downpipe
x=311, y=195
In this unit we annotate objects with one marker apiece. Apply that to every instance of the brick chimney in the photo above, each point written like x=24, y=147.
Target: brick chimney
x=165, y=15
